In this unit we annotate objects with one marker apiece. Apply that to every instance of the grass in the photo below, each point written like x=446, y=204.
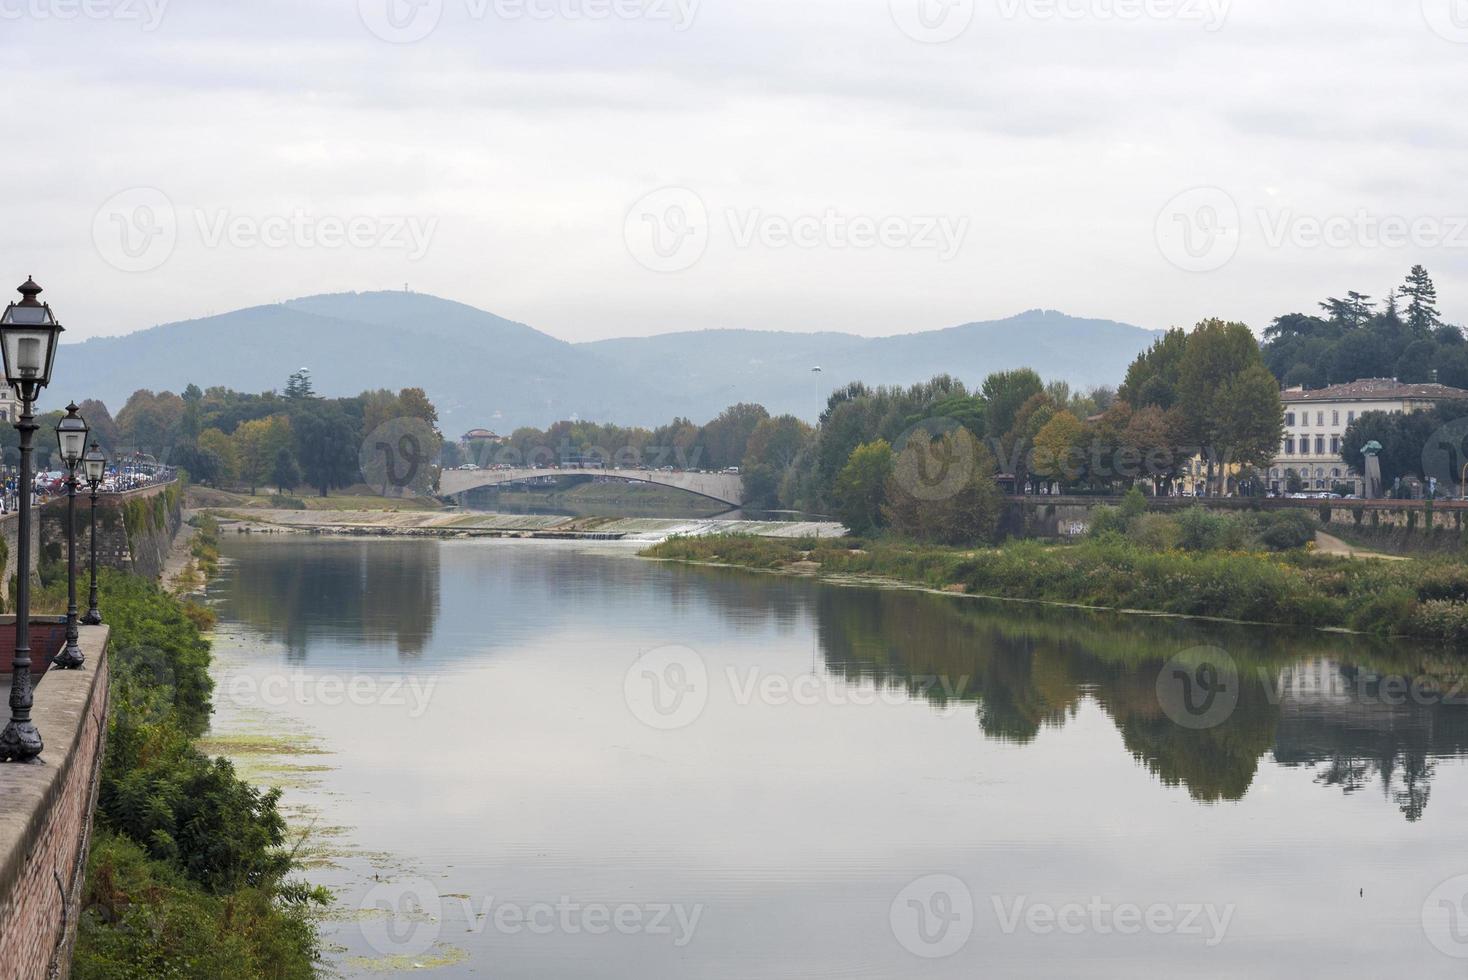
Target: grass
x=1425, y=598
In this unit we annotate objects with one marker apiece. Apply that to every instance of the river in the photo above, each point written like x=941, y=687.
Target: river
x=554, y=759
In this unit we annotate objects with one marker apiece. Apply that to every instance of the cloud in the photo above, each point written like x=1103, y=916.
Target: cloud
x=1057, y=129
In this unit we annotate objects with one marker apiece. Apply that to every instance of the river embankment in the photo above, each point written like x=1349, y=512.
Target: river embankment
x=1419, y=598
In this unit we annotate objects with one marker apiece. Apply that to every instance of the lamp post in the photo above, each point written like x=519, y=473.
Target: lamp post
x=94, y=464
x=28, y=336
x=71, y=436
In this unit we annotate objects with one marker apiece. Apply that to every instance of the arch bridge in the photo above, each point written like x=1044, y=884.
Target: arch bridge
x=726, y=488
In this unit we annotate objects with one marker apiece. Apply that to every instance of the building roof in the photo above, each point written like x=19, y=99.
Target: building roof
x=1373, y=390
x=479, y=434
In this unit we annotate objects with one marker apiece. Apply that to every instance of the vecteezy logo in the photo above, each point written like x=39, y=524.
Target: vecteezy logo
x=667, y=688
x=400, y=21
x=668, y=230
x=1198, y=230
x=933, y=916
x=401, y=918
x=136, y=229
x=1444, y=458
x=1447, y=18
x=935, y=459
x=397, y=459
x=1199, y=688
x=932, y=21
x=1445, y=917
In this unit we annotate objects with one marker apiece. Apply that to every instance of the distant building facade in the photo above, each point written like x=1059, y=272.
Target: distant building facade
x=479, y=444
x=1315, y=423
x=9, y=404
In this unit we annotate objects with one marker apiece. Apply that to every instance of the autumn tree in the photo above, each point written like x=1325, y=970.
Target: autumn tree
x=861, y=487
x=963, y=507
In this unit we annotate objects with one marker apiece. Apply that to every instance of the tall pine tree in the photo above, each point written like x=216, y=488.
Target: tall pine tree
x=1422, y=313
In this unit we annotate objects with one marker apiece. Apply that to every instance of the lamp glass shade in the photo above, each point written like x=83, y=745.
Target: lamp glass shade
x=28, y=340
x=94, y=465
x=71, y=435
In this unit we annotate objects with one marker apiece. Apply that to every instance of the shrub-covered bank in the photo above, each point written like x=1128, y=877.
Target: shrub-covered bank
x=1414, y=598
x=188, y=870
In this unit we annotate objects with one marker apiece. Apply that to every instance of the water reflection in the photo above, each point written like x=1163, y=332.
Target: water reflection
x=300, y=593
x=1360, y=713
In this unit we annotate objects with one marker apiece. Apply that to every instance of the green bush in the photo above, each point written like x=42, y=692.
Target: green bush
x=1200, y=529
x=199, y=851
x=1106, y=519
x=144, y=920
x=1285, y=529
x=1133, y=505
x=1156, y=532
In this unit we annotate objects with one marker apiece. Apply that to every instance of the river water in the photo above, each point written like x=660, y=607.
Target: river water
x=551, y=759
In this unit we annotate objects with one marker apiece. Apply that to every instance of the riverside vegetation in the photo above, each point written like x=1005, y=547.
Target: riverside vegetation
x=1198, y=563
x=189, y=869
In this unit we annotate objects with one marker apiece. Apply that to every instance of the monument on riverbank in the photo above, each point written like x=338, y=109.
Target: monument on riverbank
x=1369, y=452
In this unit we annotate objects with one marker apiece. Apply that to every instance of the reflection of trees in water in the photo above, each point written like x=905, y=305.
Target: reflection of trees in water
x=1027, y=667
x=299, y=592
x=1357, y=727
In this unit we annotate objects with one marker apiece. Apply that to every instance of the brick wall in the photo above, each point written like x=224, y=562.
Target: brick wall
x=45, y=819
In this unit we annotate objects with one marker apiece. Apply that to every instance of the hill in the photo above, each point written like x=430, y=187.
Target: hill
x=484, y=370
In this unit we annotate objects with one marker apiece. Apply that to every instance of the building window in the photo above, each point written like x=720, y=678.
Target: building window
x=1335, y=474
x=1335, y=445
x=1289, y=418
x=1351, y=416
x=1289, y=445
x=1320, y=448
x=1335, y=417
x=1304, y=420
x=1320, y=420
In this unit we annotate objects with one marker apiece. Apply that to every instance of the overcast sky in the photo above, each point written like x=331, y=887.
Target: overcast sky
x=600, y=168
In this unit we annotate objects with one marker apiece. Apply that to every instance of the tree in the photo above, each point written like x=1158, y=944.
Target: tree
x=326, y=445
x=256, y=444
x=1351, y=312
x=769, y=455
x=969, y=514
x=1004, y=393
x=861, y=487
x=1217, y=355
x=1152, y=378
x=298, y=385
x=285, y=473
x=1058, y=454
x=1250, y=417
x=1404, y=437
x=1422, y=313
x=722, y=443
x=223, y=449
x=104, y=430
x=413, y=403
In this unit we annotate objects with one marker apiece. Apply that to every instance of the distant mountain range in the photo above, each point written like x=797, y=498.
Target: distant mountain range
x=483, y=370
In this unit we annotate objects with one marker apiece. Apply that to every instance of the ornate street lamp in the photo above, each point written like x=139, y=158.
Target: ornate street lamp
x=71, y=436
x=94, y=465
x=28, y=340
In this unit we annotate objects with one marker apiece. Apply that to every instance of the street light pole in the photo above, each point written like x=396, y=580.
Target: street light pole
x=71, y=436
x=28, y=336
x=96, y=468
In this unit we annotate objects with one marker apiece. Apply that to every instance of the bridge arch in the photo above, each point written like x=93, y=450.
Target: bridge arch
x=725, y=488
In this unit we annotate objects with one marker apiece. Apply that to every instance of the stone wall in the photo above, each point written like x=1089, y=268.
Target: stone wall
x=10, y=535
x=46, y=819
x=134, y=530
